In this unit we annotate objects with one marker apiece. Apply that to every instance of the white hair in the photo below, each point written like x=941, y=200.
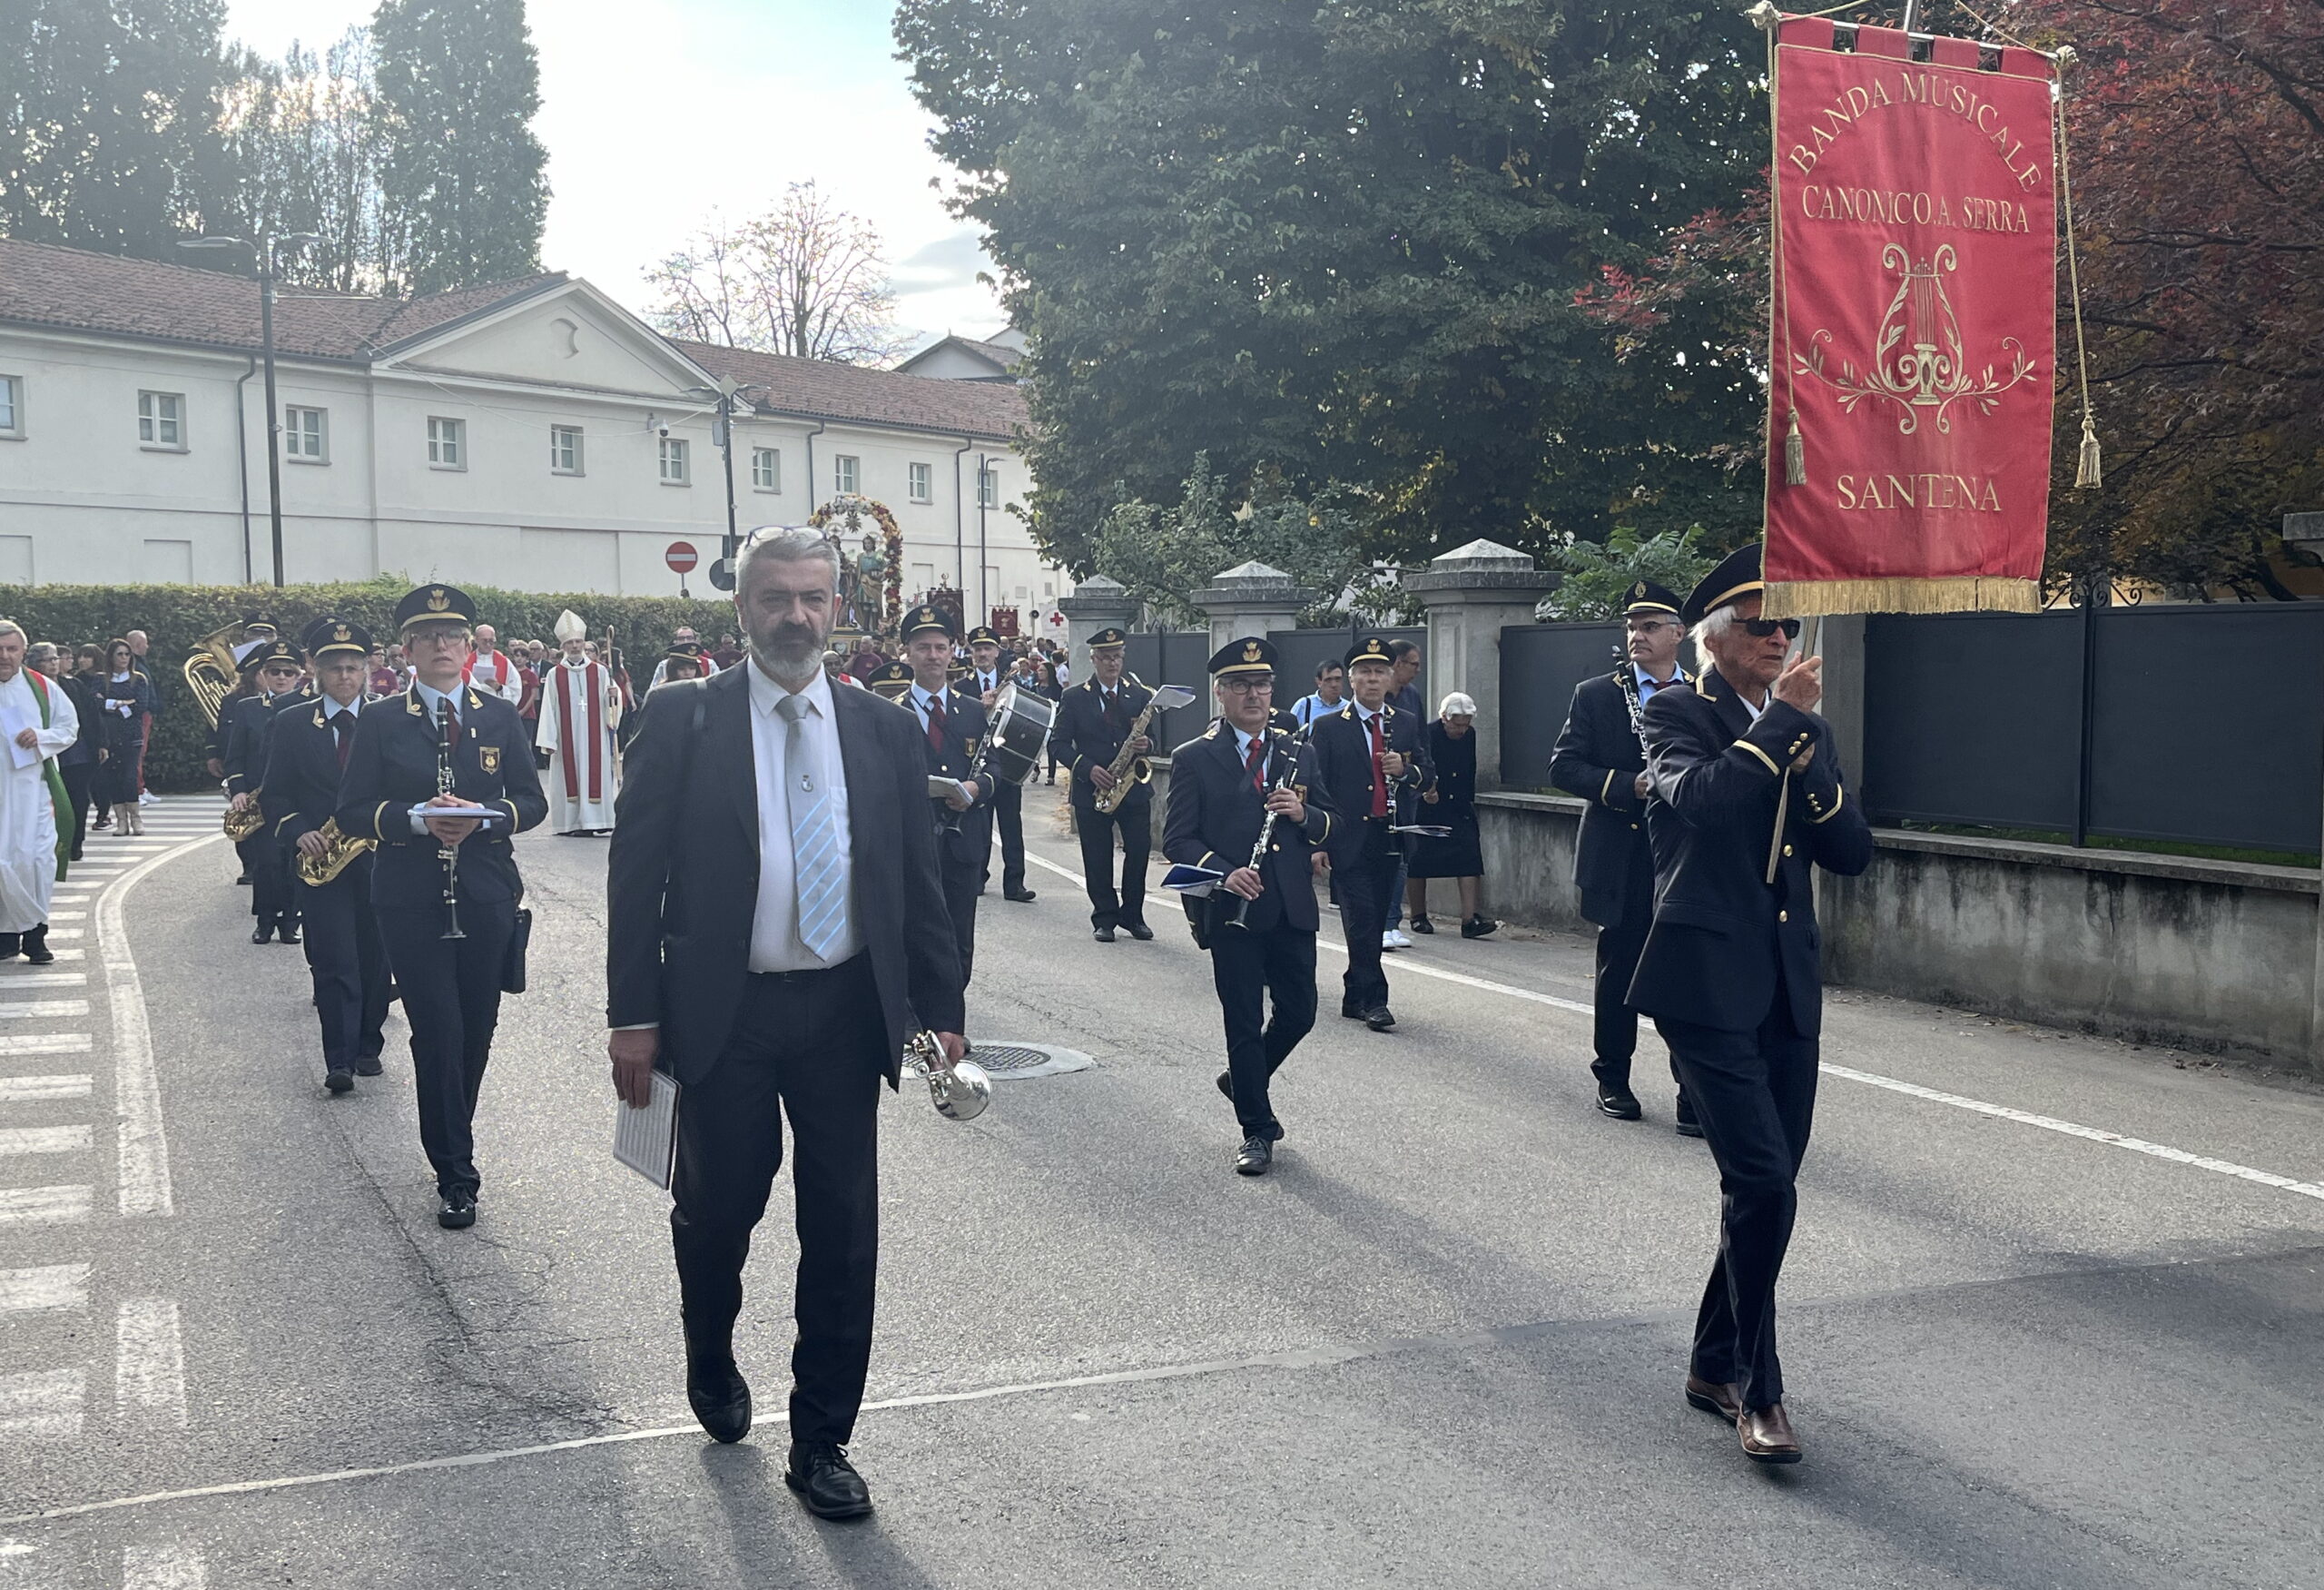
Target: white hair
x=10, y=626
x=1456, y=706
x=784, y=544
x=1709, y=627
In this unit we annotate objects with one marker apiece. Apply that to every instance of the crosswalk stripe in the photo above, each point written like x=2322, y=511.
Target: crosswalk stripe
x=44, y=1402
x=44, y=1140
x=44, y=1090
x=163, y=1567
x=42, y=1009
x=64, y=934
x=30, y=1206
x=149, y=1375
x=44, y=1043
x=12, y=978
x=46, y=1286
x=55, y=916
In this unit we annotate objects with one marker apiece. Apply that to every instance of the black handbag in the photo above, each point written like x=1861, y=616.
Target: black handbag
x=512, y=965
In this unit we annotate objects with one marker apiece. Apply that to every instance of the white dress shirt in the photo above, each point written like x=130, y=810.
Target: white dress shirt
x=1648, y=683
x=775, y=944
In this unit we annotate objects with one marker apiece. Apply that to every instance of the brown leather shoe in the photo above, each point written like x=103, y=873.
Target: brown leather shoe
x=1767, y=1436
x=1712, y=1397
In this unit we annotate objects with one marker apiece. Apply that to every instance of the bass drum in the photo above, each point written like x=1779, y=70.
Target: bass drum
x=1019, y=734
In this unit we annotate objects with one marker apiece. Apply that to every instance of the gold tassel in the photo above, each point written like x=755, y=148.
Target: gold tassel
x=1795, y=454
x=2089, y=475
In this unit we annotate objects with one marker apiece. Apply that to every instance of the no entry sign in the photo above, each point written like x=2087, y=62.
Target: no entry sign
x=681, y=557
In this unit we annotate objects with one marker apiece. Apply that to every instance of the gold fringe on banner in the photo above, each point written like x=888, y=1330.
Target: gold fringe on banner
x=1965, y=593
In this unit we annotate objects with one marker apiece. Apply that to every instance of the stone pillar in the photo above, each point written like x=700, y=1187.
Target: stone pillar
x=1251, y=599
x=1471, y=592
x=2307, y=530
x=1097, y=603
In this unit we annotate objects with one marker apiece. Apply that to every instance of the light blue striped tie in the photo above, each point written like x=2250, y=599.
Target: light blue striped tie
x=814, y=843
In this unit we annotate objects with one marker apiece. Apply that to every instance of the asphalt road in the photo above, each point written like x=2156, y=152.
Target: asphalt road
x=1442, y=1345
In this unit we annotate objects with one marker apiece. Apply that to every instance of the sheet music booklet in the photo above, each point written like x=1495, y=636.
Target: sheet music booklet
x=646, y=1140
x=1192, y=881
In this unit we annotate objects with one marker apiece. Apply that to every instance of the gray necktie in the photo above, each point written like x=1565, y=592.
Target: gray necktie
x=814, y=841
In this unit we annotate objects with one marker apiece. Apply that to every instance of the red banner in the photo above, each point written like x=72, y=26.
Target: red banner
x=1914, y=338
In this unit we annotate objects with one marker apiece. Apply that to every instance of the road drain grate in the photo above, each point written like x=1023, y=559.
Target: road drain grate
x=1016, y=1061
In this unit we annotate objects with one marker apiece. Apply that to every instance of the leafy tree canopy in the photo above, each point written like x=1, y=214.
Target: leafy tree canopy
x=1598, y=577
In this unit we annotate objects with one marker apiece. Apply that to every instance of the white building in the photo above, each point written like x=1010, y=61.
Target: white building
x=529, y=434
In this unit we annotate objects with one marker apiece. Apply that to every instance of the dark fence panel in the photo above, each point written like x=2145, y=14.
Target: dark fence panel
x=1972, y=717
x=1539, y=666
x=1174, y=657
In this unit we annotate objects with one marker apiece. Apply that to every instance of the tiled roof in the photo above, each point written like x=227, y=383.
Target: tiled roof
x=818, y=389
x=1000, y=357
x=41, y=284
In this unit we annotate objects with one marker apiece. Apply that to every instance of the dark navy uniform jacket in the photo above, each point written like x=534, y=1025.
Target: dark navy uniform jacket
x=1087, y=736
x=1215, y=813
x=392, y=768
x=1340, y=752
x=1721, y=929
x=302, y=770
x=245, y=726
x=962, y=837
x=1597, y=757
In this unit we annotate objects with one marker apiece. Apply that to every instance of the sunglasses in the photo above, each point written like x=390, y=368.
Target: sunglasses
x=1760, y=628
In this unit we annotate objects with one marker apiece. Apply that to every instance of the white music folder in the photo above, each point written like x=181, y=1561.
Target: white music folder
x=646, y=1140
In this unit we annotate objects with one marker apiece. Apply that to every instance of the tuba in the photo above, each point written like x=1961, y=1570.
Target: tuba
x=339, y=853
x=960, y=1088
x=211, y=672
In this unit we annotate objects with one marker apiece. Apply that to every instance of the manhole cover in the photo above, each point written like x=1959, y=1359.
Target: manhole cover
x=1015, y=1061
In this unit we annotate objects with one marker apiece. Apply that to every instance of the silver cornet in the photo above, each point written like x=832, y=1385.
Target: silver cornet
x=960, y=1088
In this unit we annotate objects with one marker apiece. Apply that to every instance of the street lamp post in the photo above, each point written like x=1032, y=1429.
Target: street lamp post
x=725, y=391
x=263, y=253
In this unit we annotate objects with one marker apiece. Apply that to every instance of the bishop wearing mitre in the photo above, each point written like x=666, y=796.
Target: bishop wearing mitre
x=580, y=710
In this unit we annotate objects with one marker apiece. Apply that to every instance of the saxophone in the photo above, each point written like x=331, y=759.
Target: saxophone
x=241, y=824
x=339, y=853
x=1114, y=795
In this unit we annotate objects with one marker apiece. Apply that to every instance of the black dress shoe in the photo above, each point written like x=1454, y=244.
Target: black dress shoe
x=1421, y=925
x=1254, y=1157
x=1620, y=1104
x=1478, y=927
x=287, y=933
x=459, y=1212
x=1020, y=895
x=1378, y=1019
x=262, y=932
x=243, y=882
x=1227, y=1084
x=1688, y=1125
x=826, y=1481
x=1351, y=1013
x=1139, y=930
x=342, y=1081
x=1105, y=936
x=367, y=1065
x=719, y=1396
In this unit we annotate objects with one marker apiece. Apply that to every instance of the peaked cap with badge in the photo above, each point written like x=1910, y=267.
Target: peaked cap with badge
x=1371, y=649
x=273, y=651
x=891, y=680
x=1251, y=655
x=1738, y=576
x=1108, y=636
x=431, y=604
x=332, y=634
x=984, y=634
x=1646, y=596
x=929, y=620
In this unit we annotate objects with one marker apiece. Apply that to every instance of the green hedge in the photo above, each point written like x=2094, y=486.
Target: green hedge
x=176, y=617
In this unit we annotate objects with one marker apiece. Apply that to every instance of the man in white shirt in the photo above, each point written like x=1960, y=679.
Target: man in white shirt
x=494, y=669
x=986, y=677
x=776, y=934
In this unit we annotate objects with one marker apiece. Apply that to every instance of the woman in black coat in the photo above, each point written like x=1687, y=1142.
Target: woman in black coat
x=78, y=763
x=127, y=696
x=1453, y=803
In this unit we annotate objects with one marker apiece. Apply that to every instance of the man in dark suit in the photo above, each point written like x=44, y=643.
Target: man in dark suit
x=1259, y=924
x=248, y=726
x=775, y=934
x=952, y=730
x=1748, y=800
x=308, y=750
x=1094, y=720
x=1366, y=756
x=1601, y=758
x=986, y=677
x=450, y=986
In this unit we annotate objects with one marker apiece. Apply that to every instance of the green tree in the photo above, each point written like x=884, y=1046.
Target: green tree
x=464, y=179
x=1340, y=242
x=107, y=113
x=1597, y=578
x=301, y=151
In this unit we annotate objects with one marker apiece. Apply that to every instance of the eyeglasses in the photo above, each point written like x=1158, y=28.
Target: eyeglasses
x=1760, y=628
x=1245, y=686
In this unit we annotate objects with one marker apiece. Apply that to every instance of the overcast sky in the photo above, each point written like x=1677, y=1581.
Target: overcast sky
x=655, y=111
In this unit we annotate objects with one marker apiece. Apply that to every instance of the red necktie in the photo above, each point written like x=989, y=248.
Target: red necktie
x=1253, y=760
x=342, y=727
x=1379, y=778
x=936, y=724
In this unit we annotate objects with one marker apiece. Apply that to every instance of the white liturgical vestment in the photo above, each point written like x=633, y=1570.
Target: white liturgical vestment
x=580, y=709
x=27, y=813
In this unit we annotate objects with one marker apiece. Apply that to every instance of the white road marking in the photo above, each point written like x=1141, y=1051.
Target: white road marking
x=47, y=1286
x=29, y=1206
x=42, y=1009
x=15, y=979
x=144, y=1172
x=45, y=1402
x=69, y=915
x=1913, y=1089
x=44, y=1043
x=44, y=1090
x=149, y=1375
x=163, y=1567
x=61, y=935
x=44, y=1140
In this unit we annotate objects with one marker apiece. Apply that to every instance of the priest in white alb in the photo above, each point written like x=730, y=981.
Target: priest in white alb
x=580, y=710
x=37, y=721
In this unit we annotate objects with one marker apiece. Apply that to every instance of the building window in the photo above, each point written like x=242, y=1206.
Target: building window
x=160, y=421
x=847, y=475
x=766, y=469
x=447, y=443
x=564, y=449
x=923, y=482
x=306, y=436
x=12, y=408
x=987, y=489
x=673, y=462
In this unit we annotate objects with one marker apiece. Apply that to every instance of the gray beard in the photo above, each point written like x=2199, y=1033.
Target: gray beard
x=794, y=674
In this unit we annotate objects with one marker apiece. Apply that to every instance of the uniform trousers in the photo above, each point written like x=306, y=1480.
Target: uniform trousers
x=349, y=964
x=961, y=878
x=1615, y=1040
x=1364, y=884
x=451, y=997
x=810, y=1047
x=1107, y=906
x=272, y=900
x=1252, y=968
x=1755, y=1094
x=1008, y=816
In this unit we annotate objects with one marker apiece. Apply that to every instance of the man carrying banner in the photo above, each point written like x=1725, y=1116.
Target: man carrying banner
x=580, y=716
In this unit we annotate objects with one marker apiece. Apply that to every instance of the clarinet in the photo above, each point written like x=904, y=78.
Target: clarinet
x=1627, y=682
x=1287, y=771
x=449, y=855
